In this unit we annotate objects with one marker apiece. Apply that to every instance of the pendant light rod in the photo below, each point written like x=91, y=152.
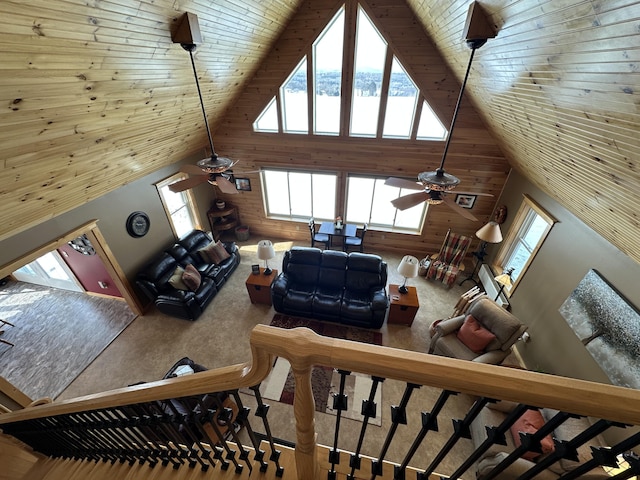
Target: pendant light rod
x=473, y=46
x=190, y=48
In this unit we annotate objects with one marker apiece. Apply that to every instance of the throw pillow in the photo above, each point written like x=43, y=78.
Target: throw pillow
x=205, y=252
x=191, y=278
x=473, y=335
x=176, y=279
x=214, y=253
x=530, y=422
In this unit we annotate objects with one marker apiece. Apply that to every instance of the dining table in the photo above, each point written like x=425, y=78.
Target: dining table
x=329, y=228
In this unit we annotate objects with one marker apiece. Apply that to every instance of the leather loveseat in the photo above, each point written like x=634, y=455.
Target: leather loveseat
x=153, y=279
x=332, y=285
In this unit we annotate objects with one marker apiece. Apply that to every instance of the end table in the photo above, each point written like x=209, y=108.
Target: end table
x=259, y=286
x=404, y=306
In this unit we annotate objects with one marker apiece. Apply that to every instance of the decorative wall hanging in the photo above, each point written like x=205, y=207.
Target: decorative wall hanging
x=609, y=327
x=83, y=245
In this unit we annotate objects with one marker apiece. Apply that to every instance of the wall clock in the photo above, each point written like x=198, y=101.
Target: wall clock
x=138, y=224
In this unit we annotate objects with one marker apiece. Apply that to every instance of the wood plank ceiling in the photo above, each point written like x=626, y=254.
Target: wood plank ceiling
x=96, y=95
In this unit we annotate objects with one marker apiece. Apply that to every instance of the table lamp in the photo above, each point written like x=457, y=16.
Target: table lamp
x=266, y=252
x=408, y=268
x=504, y=280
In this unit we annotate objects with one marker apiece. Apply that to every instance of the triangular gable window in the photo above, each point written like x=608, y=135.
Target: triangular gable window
x=385, y=101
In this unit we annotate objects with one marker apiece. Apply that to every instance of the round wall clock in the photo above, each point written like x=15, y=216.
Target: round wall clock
x=138, y=224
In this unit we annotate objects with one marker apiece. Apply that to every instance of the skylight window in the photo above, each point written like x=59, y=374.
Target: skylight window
x=384, y=100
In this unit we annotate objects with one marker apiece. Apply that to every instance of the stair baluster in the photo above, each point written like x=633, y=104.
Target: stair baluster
x=398, y=417
x=369, y=410
x=261, y=411
x=460, y=430
x=340, y=403
x=243, y=419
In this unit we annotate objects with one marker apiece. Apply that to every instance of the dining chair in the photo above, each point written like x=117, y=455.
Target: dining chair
x=357, y=241
x=318, y=237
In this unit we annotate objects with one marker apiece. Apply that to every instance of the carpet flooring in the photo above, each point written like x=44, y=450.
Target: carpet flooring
x=56, y=334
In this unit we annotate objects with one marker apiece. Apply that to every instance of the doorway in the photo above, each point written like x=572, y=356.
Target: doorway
x=49, y=270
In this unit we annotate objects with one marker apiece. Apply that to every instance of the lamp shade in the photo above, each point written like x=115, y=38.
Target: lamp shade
x=408, y=267
x=490, y=233
x=266, y=250
x=504, y=279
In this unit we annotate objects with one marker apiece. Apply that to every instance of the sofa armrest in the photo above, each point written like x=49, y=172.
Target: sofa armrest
x=230, y=247
x=281, y=284
x=450, y=325
x=379, y=299
x=493, y=357
x=513, y=471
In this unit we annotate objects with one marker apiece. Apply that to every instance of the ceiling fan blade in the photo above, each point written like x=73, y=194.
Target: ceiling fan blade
x=458, y=209
x=192, y=170
x=403, y=183
x=475, y=193
x=411, y=200
x=187, y=183
x=225, y=185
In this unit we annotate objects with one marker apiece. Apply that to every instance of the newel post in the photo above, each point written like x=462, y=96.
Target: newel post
x=304, y=412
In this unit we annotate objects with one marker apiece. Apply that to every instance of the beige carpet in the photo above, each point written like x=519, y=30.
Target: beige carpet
x=220, y=337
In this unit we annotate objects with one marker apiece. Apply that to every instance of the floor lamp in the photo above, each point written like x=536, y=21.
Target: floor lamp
x=504, y=280
x=490, y=233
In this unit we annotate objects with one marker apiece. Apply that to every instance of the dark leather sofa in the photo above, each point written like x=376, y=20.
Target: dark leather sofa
x=332, y=285
x=153, y=279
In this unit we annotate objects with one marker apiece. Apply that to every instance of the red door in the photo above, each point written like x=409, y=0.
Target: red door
x=88, y=268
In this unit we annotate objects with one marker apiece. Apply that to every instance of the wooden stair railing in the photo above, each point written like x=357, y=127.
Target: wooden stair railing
x=304, y=349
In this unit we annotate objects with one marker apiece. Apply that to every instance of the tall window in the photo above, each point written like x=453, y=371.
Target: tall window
x=299, y=195
x=180, y=207
x=526, y=235
x=380, y=84
x=369, y=201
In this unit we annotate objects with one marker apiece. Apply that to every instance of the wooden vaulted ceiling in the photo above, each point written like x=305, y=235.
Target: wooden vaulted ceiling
x=96, y=95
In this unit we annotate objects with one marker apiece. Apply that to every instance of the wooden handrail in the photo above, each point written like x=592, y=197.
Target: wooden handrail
x=303, y=349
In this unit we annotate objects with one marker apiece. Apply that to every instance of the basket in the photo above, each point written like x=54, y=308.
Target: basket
x=242, y=233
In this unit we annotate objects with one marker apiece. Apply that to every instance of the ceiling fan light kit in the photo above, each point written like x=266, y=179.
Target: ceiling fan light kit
x=436, y=184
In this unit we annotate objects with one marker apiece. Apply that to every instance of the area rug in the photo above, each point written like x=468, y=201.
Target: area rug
x=328, y=329
x=325, y=382
x=56, y=335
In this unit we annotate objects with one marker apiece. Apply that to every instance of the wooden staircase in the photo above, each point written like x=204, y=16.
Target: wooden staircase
x=20, y=463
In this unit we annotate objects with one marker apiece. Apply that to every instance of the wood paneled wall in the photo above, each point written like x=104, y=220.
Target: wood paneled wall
x=559, y=87
x=473, y=156
x=96, y=95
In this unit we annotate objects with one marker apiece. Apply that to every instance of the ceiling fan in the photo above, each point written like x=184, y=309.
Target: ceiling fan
x=435, y=185
x=211, y=169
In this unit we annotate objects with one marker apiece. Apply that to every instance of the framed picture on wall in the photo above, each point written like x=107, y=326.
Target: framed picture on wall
x=465, y=201
x=243, y=184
